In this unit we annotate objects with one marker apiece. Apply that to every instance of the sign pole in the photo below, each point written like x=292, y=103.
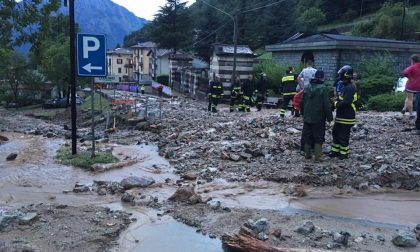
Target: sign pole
x=73, y=79
x=93, y=117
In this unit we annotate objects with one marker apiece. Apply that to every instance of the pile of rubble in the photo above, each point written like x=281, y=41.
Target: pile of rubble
x=247, y=147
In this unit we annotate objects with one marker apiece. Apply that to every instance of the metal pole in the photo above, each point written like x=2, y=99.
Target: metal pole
x=73, y=80
x=361, y=9
x=93, y=117
x=235, y=46
x=100, y=100
x=403, y=20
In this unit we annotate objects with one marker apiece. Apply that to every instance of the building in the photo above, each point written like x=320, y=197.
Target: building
x=162, y=61
x=143, y=67
x=120, y=64
x=221, y=63
x=330, y=51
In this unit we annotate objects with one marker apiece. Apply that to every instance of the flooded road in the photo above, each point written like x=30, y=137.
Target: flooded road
x=396, y=208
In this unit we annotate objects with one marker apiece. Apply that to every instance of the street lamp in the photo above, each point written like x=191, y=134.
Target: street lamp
x=235, y=36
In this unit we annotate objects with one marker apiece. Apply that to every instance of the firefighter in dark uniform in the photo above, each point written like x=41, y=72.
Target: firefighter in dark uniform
x=261, y=90
x=345, y=115
x=288, y=89
x=236, y=95
x=248, y=89
x=215, y=94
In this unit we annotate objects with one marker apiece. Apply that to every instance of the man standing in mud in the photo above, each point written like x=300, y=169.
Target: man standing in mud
x=215, y=94
x=261, y=90
x=248, y=89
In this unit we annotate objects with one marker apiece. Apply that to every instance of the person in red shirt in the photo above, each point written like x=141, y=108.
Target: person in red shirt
x=413, y=86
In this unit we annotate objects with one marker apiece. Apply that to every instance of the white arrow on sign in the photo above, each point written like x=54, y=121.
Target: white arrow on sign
x=89, y=67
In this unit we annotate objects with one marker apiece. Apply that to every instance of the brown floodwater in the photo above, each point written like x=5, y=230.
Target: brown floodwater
x=34, y=177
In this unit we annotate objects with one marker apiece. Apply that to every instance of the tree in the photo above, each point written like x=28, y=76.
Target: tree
x=172, y=25
x=311, y=19
x=140, y=36
x=14, y=72
x=388, y=23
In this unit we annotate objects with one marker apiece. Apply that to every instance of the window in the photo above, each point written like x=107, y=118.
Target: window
x=119, y=61
x=119, y=70
x=130, y=61
x=126, y=70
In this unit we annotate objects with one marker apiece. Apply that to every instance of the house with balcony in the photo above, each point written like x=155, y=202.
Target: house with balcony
x=143, y=65
x=120, y=64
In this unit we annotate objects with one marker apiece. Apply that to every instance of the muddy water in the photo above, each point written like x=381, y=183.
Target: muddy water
x=396, y=208
x=34, y=177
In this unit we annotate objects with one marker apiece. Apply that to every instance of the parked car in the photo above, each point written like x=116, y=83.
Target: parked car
x=55, y=103
x=400, y=84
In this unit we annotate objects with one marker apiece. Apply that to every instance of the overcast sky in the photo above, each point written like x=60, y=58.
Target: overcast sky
x=144, y=8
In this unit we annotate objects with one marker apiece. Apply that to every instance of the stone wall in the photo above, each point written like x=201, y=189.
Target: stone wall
x=331, y=60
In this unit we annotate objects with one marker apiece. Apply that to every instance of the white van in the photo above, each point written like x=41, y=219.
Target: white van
x=400, y=84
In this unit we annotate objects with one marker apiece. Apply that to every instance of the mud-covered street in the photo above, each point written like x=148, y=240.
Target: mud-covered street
x=195, y=177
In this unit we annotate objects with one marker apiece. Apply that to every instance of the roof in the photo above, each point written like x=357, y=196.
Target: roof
x=119, y=51
x=148, y=44
x=198, y=63
x=163, y=52
x=303, y=41
x=220, y=49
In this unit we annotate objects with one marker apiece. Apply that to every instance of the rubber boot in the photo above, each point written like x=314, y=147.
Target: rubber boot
x=318, y=153
x=307, y=149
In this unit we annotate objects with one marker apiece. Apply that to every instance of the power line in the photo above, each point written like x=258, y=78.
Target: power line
x=257, y=8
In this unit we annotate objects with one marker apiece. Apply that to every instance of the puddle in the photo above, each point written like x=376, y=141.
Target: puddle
x=396, y=208
x=391, y=208
x=34, y=177
x=163, y=234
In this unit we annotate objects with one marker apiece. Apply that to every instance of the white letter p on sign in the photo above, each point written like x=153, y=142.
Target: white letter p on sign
x=92, y=48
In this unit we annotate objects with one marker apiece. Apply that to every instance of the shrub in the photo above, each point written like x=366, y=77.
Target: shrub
x=387, y=102
x=379, y=64
x=376, y=85
x=83, y=159
x=274, y=72
x=163, y=79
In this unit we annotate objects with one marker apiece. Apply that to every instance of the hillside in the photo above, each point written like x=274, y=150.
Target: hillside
x=106, y=17
x=346, y=27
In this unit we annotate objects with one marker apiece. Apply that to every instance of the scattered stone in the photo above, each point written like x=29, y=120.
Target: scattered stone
x=128, y=196
x=306, y=228
x=226, y=209
x=333, y=246
x=80, y=188
x=358, y=239
x=341, y=238
x=51, y=197
x=293, y=130
x=195, y=199
x=28, y=218
x=134, y=182
x=7, y=220
x=190, y=176
x=11, y=156
x=261, y=226
x=262, y=236
x=102, y=191
x=212, y=236
x=182, y=195
x=363, y=186
x=214, y=204
x=380, y=238
x=276, y=232
x=405, y=238
x=234, y=157
x=3, y=139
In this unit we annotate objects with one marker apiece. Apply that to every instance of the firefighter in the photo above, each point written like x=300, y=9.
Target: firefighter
x=261, y=90
x=345, y=115
x=288, y=89
x=215, y=94
x=316, y=109
x=248, y=89
x=142, y=89
x=236, y=95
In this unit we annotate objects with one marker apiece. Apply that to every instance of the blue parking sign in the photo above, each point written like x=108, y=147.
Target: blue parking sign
x=91, y=55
